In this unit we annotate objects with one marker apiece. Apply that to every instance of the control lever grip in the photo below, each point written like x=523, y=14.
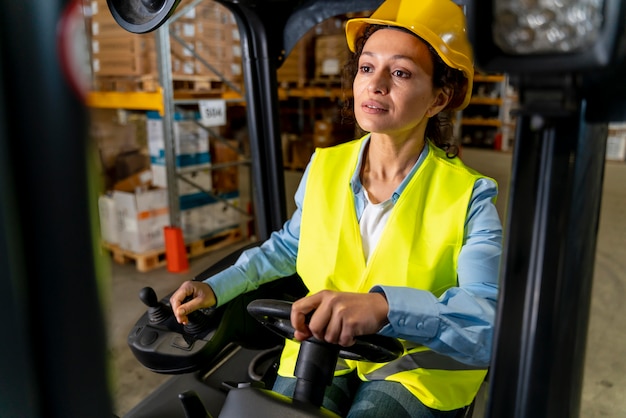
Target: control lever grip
x=197, y=320
x=158, y=312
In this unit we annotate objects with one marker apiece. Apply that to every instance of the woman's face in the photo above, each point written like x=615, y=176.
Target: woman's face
x=393, y=89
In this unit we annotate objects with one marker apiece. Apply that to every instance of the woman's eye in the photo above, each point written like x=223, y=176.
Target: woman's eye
x=365, y=68
x=400, y=73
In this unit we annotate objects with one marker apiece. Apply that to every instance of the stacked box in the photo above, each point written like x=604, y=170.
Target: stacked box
x=321, y=53
x=201, y=179
x=301, y=150
x=331, y=54
x=330, y=131
x=141, y=216
x=116, y=52
x=191, y=145
x=225, y=179
x=183, y=61
x=209, y=29
x=193, y=204
x=295, y=69
x=109, y=224
x=323, y=134
x=126, y=55
x=224, y=57
x=616, y=142
x=213, y=217
x=133, y=214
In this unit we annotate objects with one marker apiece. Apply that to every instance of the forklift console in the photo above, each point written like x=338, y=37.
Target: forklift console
x=163, y=345
x=239, y=336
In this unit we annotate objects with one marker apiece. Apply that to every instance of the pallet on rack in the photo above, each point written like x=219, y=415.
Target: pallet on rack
x=326, y=80
x=148, y=83
x=197, y=84
x=185, y=85
x=151, y=260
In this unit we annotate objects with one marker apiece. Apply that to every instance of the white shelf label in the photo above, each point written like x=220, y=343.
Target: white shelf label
x=212, y=112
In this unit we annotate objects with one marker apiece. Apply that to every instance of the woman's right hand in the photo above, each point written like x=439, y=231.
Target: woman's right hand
x=200, y=295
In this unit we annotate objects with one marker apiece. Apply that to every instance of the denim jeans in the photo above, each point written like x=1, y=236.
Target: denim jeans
x=349, y=397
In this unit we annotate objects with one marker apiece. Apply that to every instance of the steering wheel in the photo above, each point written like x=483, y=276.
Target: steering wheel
x=275, y=315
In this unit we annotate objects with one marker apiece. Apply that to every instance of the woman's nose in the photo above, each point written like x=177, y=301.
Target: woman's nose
x=378, y=84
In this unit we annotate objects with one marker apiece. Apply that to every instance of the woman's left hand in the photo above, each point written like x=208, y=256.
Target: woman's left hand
x=339, y=317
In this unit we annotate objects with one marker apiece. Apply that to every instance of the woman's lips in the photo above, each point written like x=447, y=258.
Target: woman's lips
x=371, y=106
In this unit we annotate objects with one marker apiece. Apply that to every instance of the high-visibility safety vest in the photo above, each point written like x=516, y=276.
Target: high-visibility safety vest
x=418, y=248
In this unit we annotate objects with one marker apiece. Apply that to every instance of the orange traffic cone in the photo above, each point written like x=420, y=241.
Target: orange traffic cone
x=175, y=253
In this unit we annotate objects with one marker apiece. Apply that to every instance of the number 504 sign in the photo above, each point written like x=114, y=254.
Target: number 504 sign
x=212, y=112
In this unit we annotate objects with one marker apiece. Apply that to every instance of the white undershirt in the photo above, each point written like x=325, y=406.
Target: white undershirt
x=372, y=223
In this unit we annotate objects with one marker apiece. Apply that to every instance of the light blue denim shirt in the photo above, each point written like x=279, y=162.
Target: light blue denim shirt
x=459, y=323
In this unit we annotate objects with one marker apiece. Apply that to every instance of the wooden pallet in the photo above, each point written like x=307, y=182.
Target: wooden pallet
x=149, y=83
x=185, y=85
x=328, y=81
x=295, y=82
x=197, y=84
x=151, y=260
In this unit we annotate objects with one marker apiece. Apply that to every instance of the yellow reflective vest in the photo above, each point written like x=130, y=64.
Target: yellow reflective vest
x=418, y=248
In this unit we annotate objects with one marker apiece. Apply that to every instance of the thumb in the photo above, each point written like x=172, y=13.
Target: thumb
x=302, y=335
x=189, y=305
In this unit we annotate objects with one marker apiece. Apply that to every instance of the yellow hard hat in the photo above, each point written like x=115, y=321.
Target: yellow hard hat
x=441, y=23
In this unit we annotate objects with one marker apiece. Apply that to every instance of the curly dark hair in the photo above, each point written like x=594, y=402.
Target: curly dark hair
x=439, y=127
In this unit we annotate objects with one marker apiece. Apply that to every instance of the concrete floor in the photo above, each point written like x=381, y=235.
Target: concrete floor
x=605, y=367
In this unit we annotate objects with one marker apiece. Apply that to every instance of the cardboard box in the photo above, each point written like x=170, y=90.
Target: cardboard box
x=142, y=216
x=225, y=178
x=142, y=212
x=109, y=223
x=138, y=181
x=328, y=132
x=121, y=55
x=212, y=217
x=297, y=67
x=201, y=179
x=301, y=152
x=616, y=142
x=191, y=145
x=331, y=54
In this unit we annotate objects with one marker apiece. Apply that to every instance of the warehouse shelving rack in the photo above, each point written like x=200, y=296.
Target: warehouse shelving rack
x=164, y=101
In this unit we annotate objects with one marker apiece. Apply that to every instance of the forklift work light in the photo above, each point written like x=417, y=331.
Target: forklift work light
x=547, y=26
x=547, y=36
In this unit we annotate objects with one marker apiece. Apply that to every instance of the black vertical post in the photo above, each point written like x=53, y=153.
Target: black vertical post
x=52, y=356
x=260, y=51
x=551, y=233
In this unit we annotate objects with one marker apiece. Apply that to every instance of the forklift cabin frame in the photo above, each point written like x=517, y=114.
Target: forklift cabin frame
x=52, y=294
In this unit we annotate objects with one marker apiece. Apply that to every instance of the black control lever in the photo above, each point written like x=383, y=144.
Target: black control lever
x=163, y=345
x=197, y=321
x=158, y=312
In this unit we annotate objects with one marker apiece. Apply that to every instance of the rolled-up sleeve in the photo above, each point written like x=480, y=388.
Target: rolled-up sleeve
x=273, y=259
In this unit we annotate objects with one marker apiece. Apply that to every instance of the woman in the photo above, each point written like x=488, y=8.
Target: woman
x=392, y=234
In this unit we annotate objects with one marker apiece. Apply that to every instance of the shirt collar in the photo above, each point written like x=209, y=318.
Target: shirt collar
x=355, y=182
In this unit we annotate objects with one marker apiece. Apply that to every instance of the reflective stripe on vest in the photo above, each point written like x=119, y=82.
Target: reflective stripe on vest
x=427, y=359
